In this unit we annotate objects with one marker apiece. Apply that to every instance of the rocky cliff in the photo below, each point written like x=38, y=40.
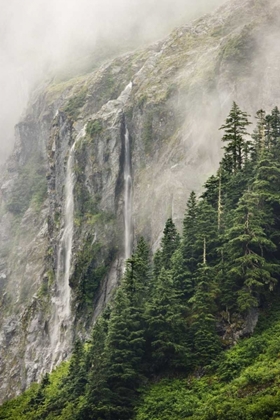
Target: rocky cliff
x=62, y=201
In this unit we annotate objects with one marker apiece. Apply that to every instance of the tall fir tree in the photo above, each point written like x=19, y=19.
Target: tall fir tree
x=98, y=401
x=258, y=137
x=206, y=233
x=125, y=345
x=189, y=234
x=167, y=328
x=206, y=343
x=275, y=127
x=168, y=245
x=249, y=272
x=236, y=147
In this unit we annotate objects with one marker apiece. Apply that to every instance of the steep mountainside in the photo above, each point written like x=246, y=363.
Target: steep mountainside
x=63, y=191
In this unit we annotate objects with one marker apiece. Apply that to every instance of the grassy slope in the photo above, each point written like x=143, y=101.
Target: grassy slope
x=242, y=384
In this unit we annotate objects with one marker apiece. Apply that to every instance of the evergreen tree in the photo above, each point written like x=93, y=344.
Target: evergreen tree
x=39, y=398
x=267, y=185
x=206, y=233
x=77, y=376
x=189, y=234
x=206, y=343
x=275, y=127
x=210, y=194
x=166, y=327
x=168, y=245
x=182, y=277
x=249, y=271
x=268, y=131
x=215, y=189
x=98, y=401
x=258, y=144
x=125, y=347
x=157, y=263
x=125, y=342
x=118, y=346
x=235, y=133
x=138, y=273
x=233, y=188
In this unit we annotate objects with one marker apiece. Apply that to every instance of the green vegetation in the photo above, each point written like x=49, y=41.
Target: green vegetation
x=75, y=104
x=90, y=269
x=30, y=188
x=148, y=132
x=243, y=383
x=239, y=49
x=87, y=203
x=93, y=128
x=169, y=345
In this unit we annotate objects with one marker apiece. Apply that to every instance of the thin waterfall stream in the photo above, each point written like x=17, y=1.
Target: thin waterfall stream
x=128, y=226
x=127, y=197
x=61, y=333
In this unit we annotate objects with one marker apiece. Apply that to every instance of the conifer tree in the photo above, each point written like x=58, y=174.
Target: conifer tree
x=125, y=341
x=77, y=376
x=268, y=131
x=125, y=346
x=267, y=185
x=275, y=127
x=98, y=403
x=210, y=193
x=215, y=189
x=167, y=328
x=206, y=233
x=138, y=273
x=249, y=272
x=182, y=277
x=118, y=345
x=189, y=234
x=157, y=263
x=184, y=260
x=235, y=129
x=206, y=343
x=168, y=245
x=258, y=144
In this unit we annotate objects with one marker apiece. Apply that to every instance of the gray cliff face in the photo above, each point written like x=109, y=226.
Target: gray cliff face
x=182, y=89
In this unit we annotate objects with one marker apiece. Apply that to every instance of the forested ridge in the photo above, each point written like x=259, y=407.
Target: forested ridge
x=175, y=341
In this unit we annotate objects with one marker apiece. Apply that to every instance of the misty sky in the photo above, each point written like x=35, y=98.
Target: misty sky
x=40, y=37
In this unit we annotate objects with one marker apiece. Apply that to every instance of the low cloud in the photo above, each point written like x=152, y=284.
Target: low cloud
x=43, y=37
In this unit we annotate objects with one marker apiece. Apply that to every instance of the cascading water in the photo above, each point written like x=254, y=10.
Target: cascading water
x=128, y=228
x=127, y=197
x=61, y=332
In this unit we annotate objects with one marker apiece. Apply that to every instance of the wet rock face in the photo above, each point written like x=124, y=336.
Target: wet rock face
x=182, y=89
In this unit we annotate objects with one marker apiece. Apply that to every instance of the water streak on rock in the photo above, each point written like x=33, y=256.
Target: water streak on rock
x=61, y=333
x=127, y=197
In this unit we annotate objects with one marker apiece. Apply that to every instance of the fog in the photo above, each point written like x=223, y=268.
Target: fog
x=42, y=38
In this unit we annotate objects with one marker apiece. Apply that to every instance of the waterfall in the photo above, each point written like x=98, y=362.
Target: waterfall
x=128, y=234
x=127, y=197
x=61, y=333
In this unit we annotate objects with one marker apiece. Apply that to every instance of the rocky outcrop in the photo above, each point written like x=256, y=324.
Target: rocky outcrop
x=182, y=88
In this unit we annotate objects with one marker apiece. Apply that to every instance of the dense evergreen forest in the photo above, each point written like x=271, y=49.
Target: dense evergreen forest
x=176, y=341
